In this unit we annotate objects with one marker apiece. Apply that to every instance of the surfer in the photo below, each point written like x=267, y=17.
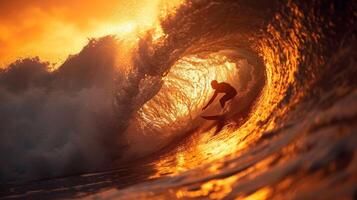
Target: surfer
x=222, y=87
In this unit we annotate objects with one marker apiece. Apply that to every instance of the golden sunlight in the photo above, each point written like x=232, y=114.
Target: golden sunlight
x=53, y=30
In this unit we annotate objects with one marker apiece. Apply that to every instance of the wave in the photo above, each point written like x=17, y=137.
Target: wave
x=291, y=124
x=303, y=56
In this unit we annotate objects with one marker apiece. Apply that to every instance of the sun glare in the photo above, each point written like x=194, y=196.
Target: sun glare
x=121, y=29
x=53, y=35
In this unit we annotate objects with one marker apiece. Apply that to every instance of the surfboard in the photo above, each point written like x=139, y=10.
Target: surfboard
x=218, y=116
x=214, y=117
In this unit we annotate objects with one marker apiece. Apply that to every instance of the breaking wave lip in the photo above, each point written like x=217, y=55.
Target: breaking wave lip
x=292, y=132
x=300, y=105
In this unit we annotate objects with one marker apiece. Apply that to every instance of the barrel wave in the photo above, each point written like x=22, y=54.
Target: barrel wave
x=134, y=117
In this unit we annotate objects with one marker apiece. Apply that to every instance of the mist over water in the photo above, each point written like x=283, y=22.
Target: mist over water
x=290, y=132
x=50, y=121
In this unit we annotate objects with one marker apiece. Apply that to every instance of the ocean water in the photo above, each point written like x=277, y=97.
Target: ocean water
x=290, y=133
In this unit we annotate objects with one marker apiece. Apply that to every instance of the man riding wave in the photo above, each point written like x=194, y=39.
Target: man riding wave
x=222, y=87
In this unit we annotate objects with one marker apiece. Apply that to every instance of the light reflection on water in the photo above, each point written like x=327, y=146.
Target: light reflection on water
x=280, y=143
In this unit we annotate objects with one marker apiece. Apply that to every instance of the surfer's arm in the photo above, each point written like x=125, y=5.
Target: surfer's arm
x=211, y=100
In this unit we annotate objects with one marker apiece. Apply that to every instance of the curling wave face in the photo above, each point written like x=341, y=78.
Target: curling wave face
x=290, y=131
x=297, y=134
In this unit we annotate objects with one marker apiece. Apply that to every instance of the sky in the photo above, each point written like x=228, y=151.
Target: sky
x=54, y=29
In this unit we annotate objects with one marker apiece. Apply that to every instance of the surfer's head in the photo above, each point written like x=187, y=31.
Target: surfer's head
x=214, y=84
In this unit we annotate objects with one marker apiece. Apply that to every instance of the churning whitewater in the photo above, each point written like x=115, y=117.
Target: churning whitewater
x=121, y=119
